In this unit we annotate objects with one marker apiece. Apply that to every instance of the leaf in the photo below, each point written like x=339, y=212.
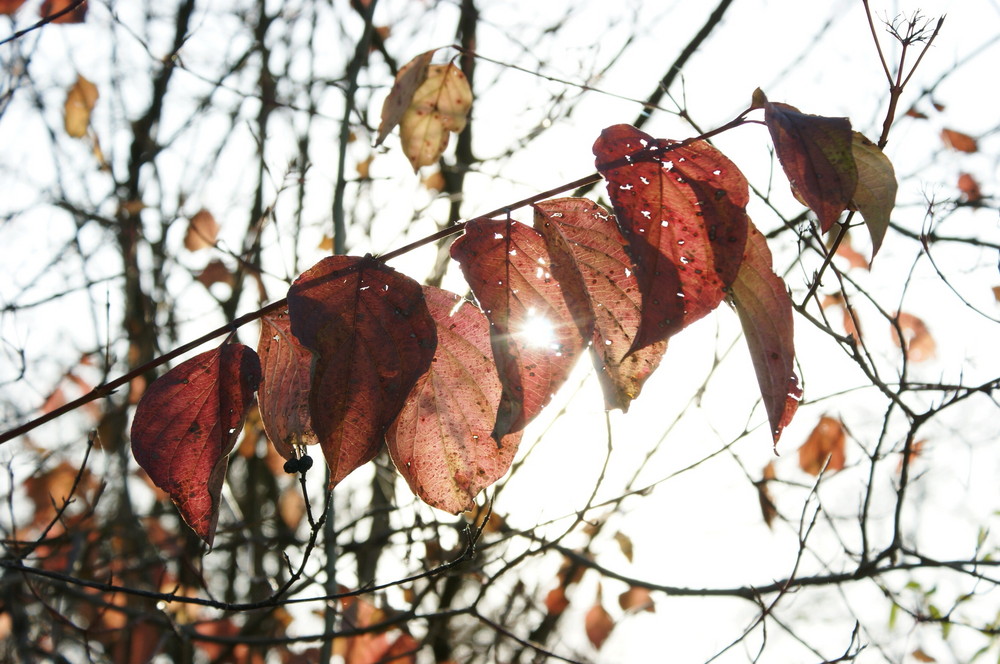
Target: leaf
x=556, y=601
x=875, y=195
x=767, y=507
x=372, y=337
x=440, y=105
x=597, y=278
x=441, y=441
x=958, y=141
x=917, y=339
x=187, y=423
x=625, y=544
x=372, y=647
x=971, y=193
x=598, y=624
x=534, y=338
x=80, y=101
x=408, y=79
x=817, y=157
x=827, y=440
x=216, y=272
x=853, y=256
x=9, y=7
x=284, y=394
x=202, y=231
x=765, y=311
x=52, y=7
x=682, y=210
x=637, y=599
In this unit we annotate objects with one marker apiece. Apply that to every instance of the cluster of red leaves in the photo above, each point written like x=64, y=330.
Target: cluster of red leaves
x=364, y=356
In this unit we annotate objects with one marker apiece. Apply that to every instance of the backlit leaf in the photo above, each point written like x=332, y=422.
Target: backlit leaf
x=80, y=101
x=372, y=338
x=767, y=507
x=408, y=79
x=439, y=107
x=202, y=231
x=77, y=14
x=534, y=339
x=682, y=211
x=441, y=441
x=917, y=339
x=187, y=423
x=971, y=193
x=637, y=599
x=875, y=195
x=959, y=141
x=765, y=311
x=816, y=155
x=598, y=624
x=284, y=395
x=827, y=441
x=596, y=275
x=8, y=7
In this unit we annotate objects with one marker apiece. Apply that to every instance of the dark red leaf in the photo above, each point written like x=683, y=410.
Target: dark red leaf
x=186, y=425
x=765, y=311
x=816, y=155
x=597, y=278
x=535, y=341
x=284, y=394
x=372, y=336
x=441, y=441
x=682, y=210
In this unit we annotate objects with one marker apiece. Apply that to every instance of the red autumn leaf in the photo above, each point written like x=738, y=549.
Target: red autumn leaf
x=598, y=624
x=372, y=338
x=682, y=210
x=284, y=395
x=8, y=7
x=187, y=423
x=408, y=79
x=637, y=599
x=971, y=193
x=556, y=601
x=373, y=647
x=827, y=441
x=76, y=12
x=535, y=341
x=958, y=141
x=441, y=441
x=589, y=261
x=765, y=311
x=917, y=339
x=816, y=155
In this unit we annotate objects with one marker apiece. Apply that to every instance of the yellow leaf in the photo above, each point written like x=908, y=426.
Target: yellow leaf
x=409, y=78
x=80, y=101
x=440, y=105
x=875, y=194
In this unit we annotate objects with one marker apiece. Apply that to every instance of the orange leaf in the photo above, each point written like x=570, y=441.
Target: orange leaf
x=827, y=440
x=410, y=77
x=8, y=7
x=76, y=11
x=853, y=257
x=767, y=507
x=969, y=188
x=80, y=101
x=202, y=231
x=917, y=339
x=598, y=624
x=958, y=141
x=556, y=601
x=637, y=599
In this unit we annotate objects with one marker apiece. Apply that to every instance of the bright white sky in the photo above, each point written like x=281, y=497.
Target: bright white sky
x=701, y=527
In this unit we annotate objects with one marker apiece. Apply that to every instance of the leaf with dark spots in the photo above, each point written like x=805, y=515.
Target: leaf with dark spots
x=186, y=425
x=598, y=280
x=534, y=338
x=284, y=395
x=441, y=441
x=816, y=155
x=372, y=337
x=765, y=311
x=682, y=210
